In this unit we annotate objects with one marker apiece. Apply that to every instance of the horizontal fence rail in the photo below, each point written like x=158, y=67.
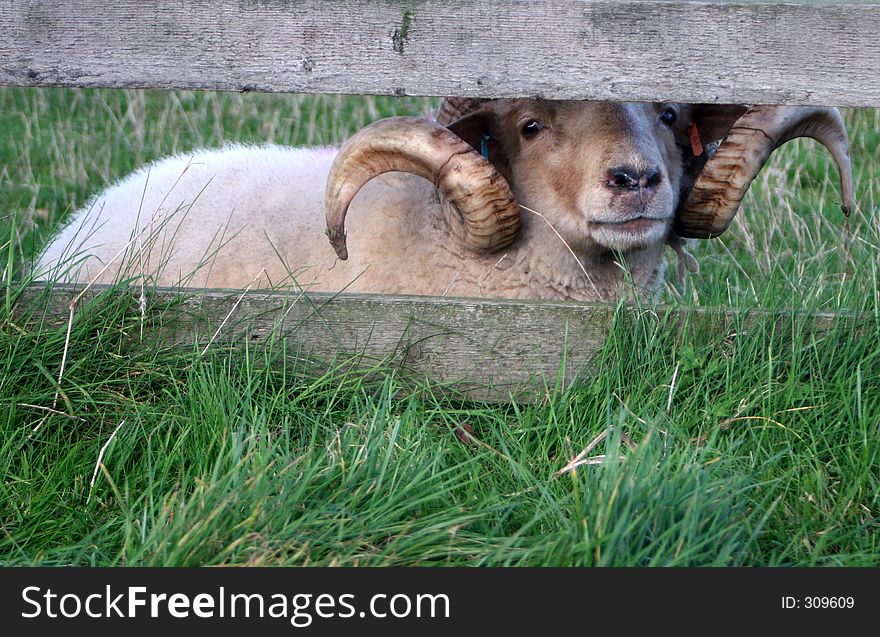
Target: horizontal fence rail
x=476, y=348
x=749, y=51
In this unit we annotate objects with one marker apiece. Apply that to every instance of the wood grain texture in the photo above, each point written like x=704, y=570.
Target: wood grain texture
x=478, y=348
x=800, y=52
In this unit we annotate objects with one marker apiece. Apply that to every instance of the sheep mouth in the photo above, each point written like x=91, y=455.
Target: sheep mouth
x=636, y=225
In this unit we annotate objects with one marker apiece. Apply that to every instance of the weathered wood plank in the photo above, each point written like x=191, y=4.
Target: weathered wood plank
x=751, y=51
x=483, y=348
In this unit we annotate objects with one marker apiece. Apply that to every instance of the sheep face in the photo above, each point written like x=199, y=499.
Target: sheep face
x=606, y=175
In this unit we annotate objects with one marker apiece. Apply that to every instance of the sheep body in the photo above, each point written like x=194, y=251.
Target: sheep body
x=510, y=198
x=260, y=208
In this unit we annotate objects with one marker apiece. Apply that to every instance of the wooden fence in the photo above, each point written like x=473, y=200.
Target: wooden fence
x=747, y=51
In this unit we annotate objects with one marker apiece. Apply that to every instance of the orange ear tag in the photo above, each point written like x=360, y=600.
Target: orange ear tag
x=696, y=144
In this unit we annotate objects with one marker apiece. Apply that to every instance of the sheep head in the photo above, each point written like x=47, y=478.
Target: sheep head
x=608, y=176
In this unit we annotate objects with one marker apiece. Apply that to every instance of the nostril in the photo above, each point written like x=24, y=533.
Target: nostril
x=628, y=178
x=651, y=178
x=623, y=178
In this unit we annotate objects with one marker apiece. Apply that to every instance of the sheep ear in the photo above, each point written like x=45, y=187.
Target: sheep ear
x=715, y=120
x=481, y=130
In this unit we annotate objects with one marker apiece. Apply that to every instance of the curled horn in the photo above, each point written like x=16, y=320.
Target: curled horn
x=452, y=109
x=479, y=194
x=727, y=175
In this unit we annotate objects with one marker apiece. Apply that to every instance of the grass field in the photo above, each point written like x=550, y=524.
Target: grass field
x=760, y=447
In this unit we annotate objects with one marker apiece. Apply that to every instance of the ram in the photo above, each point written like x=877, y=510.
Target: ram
x=515, y=198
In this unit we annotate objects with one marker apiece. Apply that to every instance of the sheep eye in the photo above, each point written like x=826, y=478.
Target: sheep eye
x=531, y=128
x=668, y=116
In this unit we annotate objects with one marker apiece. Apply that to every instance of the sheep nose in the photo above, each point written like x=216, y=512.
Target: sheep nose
x=628, y=178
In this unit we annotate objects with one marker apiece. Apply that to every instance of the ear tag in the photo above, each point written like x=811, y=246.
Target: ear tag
x=696, y=144
x=484, y=146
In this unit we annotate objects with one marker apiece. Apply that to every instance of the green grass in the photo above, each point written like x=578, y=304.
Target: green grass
x=756, y=446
